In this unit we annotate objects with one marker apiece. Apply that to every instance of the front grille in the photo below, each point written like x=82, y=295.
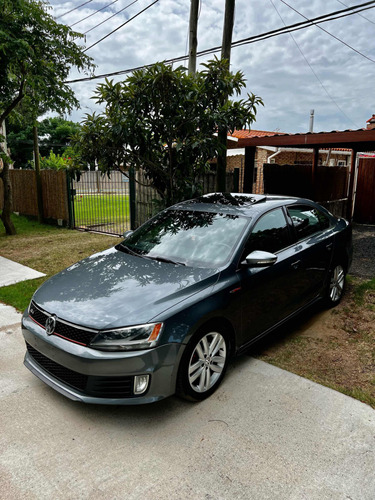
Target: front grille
x=96, y=386
x=62, y=329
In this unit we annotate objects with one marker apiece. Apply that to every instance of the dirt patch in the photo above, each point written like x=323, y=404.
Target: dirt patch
x=363, y=264
x=333, y=347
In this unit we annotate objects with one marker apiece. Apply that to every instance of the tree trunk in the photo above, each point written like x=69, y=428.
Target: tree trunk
x=7, y=202
x=39, y=190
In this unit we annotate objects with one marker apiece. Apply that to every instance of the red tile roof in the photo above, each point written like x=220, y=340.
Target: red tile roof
x=371, y=119
x=246, y=134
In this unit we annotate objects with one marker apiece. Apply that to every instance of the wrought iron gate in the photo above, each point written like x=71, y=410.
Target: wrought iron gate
x=101, y=203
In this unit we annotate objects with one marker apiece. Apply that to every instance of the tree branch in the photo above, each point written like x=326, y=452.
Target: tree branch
x=13, y=104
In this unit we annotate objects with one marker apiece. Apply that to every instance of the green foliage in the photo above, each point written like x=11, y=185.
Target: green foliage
x=163, y=121
x=53, y=162
x=36, y=54
x=54, y=135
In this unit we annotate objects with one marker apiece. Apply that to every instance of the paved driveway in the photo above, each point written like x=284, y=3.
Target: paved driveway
x=265, y=434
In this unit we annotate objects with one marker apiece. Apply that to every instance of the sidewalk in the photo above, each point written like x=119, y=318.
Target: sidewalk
x=12, y=272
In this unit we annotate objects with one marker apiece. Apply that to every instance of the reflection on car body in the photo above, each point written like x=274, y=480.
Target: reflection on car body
x=163, y=311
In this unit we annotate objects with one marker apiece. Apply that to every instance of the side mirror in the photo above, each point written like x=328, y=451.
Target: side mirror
x=258, y=258
x=127, y=233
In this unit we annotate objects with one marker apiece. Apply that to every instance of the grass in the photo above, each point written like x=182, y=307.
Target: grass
x=335, y=347
x=99, y=208
x=362, y=289
x=47, y=249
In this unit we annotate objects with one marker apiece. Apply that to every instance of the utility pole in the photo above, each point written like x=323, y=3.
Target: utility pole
x=311, y=127
x=222, y=133
x=193, y=40
x=228, y=30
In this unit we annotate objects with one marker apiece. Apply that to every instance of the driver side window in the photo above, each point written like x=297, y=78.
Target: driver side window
x=269, y=234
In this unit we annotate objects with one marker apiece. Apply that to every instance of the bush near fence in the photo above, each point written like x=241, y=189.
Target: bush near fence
x=54, y=188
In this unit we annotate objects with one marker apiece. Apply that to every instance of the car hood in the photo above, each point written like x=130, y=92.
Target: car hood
x=114, y=289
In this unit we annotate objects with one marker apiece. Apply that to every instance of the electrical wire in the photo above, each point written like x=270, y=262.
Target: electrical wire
x=75, y=8
x=121, y=26
x=313, y=71
x=360, y=15
x=93, y=13
x=330, y=34
x=244, y=41
x=110, y=17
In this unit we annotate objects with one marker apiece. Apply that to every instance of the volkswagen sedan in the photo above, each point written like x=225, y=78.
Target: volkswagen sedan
x=163, y=311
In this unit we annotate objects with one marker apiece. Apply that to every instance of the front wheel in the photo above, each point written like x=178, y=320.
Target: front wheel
x=336, y=285
x=203, y=365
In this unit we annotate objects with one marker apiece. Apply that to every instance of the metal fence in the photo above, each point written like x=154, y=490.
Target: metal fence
x=114, y=204
x=101, y=202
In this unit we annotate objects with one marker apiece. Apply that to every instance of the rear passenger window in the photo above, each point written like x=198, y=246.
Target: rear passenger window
x=307, y=221
x=270, y=233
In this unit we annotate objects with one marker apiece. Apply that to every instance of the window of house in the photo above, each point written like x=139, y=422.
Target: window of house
x=307, y=221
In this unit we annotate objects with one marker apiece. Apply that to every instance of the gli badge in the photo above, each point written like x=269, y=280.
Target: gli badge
x=50, y=324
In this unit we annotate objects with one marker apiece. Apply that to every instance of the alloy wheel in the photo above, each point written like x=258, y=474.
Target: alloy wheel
x=337, y=284
x=207, y=362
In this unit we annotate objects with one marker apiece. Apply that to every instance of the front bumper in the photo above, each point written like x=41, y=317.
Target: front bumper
x=81, y=373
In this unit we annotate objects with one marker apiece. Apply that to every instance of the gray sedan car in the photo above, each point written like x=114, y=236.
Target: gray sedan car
x=162, y=312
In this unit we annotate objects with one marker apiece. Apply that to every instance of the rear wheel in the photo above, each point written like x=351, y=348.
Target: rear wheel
x=336, y=285
x=203, y=365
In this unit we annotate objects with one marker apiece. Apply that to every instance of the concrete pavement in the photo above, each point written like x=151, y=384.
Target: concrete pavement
x=13, y=272
x=265, y=434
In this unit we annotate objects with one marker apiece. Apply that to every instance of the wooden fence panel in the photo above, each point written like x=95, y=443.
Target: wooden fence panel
x=295, y=180
x=24, y=192
x=55, y=195
x=54, y=188
x=364, y=210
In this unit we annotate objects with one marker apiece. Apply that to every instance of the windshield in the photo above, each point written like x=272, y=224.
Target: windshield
x=202, y=239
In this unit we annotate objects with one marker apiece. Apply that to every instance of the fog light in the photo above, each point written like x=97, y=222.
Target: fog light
x=141, y=383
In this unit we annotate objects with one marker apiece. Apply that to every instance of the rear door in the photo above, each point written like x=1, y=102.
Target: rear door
x=313, y=232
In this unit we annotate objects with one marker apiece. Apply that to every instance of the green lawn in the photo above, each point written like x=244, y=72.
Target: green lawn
x=93, y=209
x=48, y=249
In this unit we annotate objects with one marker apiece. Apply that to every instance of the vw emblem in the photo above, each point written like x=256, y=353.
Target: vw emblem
x=50, y=324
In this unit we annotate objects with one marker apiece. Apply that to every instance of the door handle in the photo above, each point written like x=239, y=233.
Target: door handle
x=296, y=264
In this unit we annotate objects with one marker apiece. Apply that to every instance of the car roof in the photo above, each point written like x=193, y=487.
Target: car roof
x=248, y=205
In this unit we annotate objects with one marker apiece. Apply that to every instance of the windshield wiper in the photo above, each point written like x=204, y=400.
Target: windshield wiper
x=164, y=259
x=129, y=250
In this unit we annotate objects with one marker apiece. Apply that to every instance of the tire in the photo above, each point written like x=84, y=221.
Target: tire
x=336, y=285
x=203, y=364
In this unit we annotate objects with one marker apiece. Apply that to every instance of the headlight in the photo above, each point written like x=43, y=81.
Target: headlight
x=131, y=338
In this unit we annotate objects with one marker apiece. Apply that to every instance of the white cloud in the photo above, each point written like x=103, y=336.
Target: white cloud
x=274, y=68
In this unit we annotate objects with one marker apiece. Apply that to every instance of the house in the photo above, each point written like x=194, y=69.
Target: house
x=279, y=155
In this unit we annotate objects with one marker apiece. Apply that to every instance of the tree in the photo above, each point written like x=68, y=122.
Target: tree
x=163, y=121
x=54, y=135
x=36, y=55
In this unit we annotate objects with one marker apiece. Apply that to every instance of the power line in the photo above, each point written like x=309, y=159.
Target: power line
x=312, y=69
x=262, y=36
x=93, y=13
x=121, y=25
x=329, y=33
x=360, y=15
x=110, y=17
x=75, y=8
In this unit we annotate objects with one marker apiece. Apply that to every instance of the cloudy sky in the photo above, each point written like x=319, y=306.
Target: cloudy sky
x=315, y=71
